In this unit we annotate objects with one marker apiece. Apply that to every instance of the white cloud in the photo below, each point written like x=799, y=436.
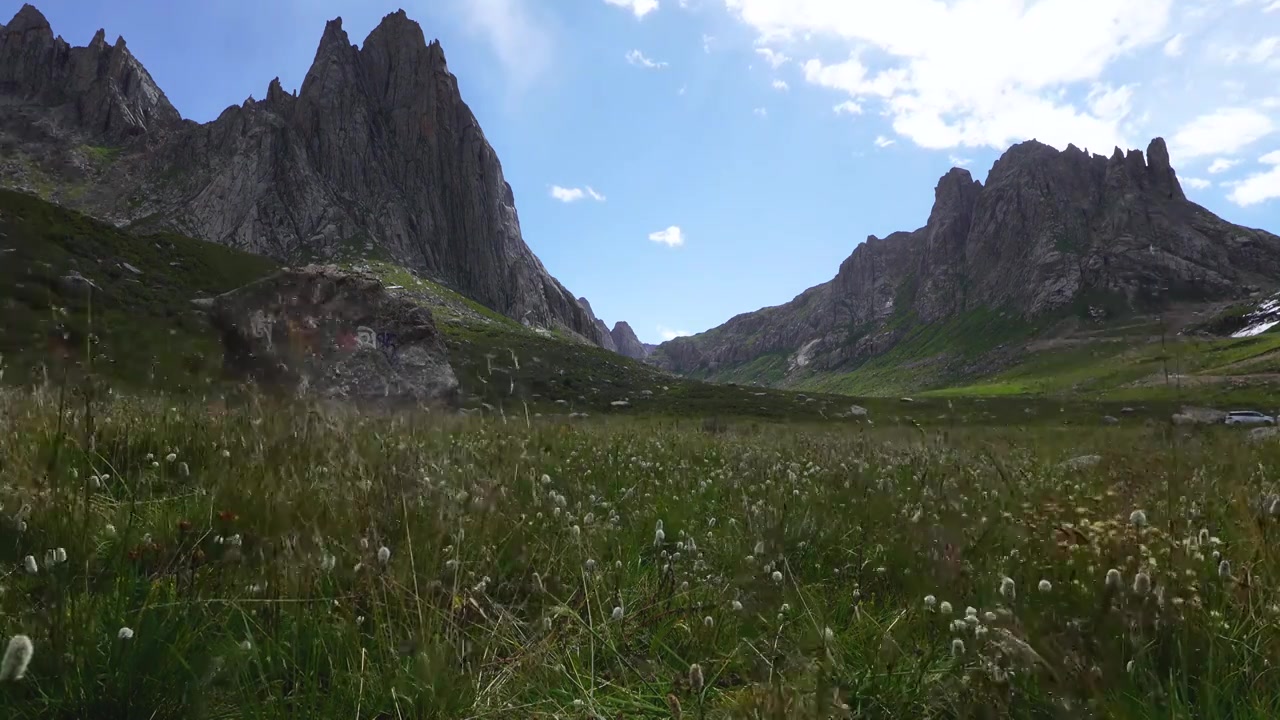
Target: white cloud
x=521, y=41
x=572, y=195
x=973, y=72
x=1221, y=132
x=1273, y=7
x=959, y=161
x=1196, y=183
x=671, y=237
x=637, y=58
x=707, y=42
x=668, y=334
x=1222, y=165
x=1264, y=50
x=639, y=8
x=883, y=142
x=848, y=107
x=761, y=112
x=1259, y=187
x=1174, y=47
x=774, y=58
x=781, y=85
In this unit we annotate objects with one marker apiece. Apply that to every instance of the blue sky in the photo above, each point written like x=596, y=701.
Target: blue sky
x=775, y=135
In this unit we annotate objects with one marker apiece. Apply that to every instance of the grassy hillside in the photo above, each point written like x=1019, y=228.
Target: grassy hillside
x=264, y=563
x=134, y=323
x=985, y=354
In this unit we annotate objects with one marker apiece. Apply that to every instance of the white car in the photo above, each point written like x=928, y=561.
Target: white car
x=1249, y=417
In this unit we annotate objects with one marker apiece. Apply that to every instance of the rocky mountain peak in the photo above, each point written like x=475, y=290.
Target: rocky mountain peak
x=954, y=195
x=1047, y=232
x=28, y=19
x=376, y=153
x=628, y=344
x=602, y=336
x=99, y=89
x=1161, y=171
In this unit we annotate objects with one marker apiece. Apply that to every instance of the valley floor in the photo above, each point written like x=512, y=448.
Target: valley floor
x=168, y=559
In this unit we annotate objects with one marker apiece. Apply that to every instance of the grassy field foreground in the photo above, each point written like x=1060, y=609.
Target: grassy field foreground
x=176, y=562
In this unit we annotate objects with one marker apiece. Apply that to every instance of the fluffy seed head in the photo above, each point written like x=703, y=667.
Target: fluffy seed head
x=930, y=602
x=1138, y=519
x=1141, y=584
x=17, y=656
x=125, y=633
x=695, y=677
x=944, y=607
x=1007, y=588
x=1114, y=581
x=1045, y=586
x=957, y=647
x=384, y=554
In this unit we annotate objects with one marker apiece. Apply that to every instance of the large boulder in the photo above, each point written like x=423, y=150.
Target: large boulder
x=324, y=332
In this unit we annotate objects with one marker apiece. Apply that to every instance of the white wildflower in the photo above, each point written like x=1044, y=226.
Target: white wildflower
x=1141, y=584
x=29, y=562
x=1114, y=580
x=617, y=613
x=1007, y=588
x=125, y=633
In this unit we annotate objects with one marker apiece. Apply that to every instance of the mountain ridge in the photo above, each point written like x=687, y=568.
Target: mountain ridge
x=1049, y=233
x=377, y=154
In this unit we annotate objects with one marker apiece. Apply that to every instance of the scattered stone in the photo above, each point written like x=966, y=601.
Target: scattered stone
x=907, y=400
x=1202, y=416
x=1082, y=462
x=1110, y=420
x=620, y=403
x=74, y=282
x=1263, y=434
x=579, y=415
x=130, y=268
x=857, y=411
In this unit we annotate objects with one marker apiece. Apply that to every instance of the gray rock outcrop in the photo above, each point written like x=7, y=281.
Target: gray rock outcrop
x=376, y=155
x=602, y=336
x=323, y=332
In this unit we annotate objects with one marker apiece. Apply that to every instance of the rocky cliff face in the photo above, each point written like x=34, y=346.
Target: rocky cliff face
x=624, y=338
x=377, y=154
x=1050, y=234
